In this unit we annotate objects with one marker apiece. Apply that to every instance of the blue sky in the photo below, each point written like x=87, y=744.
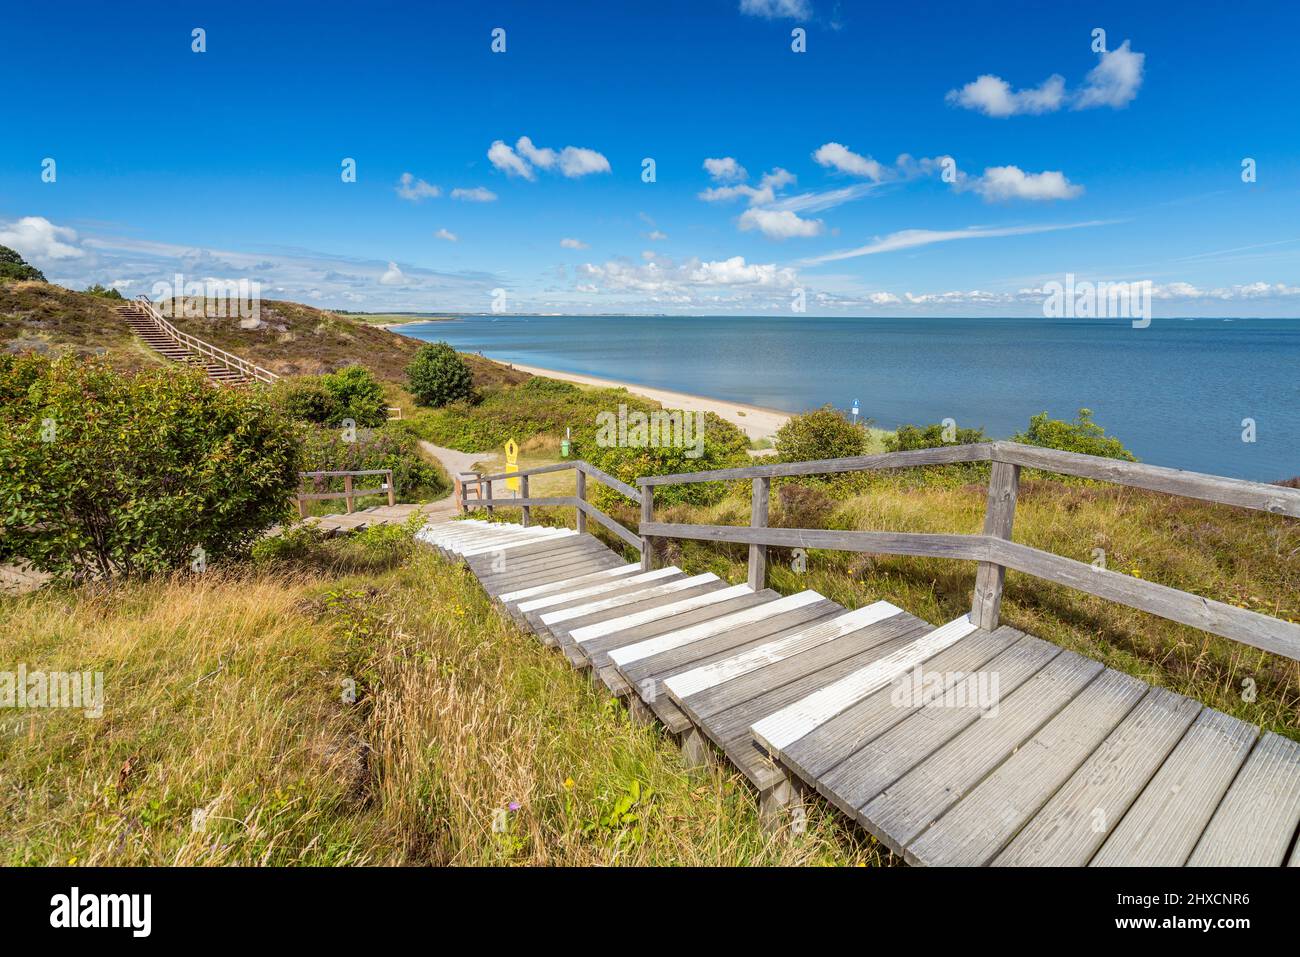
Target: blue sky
x=1123, y=165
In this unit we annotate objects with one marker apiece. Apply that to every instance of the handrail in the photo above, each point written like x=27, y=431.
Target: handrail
x=584, y=509
x=993, y=549
x=349, y=493
x=228, y=359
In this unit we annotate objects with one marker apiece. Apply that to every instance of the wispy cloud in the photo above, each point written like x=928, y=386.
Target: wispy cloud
x=478, y=194
x=1113, y=82
x=526, y=157
x=777, y=9
x=912, y=238
x=415, y=190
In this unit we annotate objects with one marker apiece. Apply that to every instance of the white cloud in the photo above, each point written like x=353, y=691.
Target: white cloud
x=573, y=244
x=992, y=96
x=479, y=194
x=690, y=282
x=446, y=234
x=1113, y=82
x=392, y=276
x=725, y=170
x=844, y=160
x=777, y=178
x=508, y=161
x=415, y=190
x=910, y=238
x=39, y=240
x=776, y=9
x=1011, y=182
x=779, y=224
x=656, y=234
x=571, y=161
x=721, y=194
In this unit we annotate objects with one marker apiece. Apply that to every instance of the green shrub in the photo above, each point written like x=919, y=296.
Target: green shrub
x=1082, y=435
x=357, y=395
x=104, y=292
x=391, y=447
x=821, y=434
x=305, y=399
x=908, y=438
x=438, y=375
x=14, y=267
x=105, y=474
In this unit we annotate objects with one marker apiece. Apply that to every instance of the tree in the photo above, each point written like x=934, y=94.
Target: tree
x=1082, y=435
x=104, y=474
x=104, y=292
x=821, y=434
x=358, y=395
x=438, y=375
x=14, y=267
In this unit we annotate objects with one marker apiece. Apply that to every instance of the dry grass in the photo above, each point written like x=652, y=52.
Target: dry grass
x=225, y=693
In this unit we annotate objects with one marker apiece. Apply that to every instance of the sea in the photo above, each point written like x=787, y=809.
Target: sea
x=1210, y=395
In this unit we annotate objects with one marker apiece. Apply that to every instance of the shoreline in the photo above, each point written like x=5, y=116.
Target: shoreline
x=755, y=421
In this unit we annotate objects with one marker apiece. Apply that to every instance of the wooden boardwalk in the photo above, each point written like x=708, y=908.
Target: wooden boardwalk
x=954, y=745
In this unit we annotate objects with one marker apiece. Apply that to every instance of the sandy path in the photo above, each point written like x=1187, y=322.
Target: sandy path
x=453, y=462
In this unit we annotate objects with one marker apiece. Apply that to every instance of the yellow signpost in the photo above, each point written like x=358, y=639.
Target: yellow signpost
x=512, y=464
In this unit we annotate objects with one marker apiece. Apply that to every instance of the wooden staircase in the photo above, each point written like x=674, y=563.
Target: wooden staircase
x=167, y=345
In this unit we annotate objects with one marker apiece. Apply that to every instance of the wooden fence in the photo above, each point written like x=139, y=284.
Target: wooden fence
x=349, y=492
x=198, y=346
x=993, y=548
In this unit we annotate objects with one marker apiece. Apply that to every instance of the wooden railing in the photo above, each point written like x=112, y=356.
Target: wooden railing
x=578, y=501
x=197, y=345
x=994, y=549
x=349, y=493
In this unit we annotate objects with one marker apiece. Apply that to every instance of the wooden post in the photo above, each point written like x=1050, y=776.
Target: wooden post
x=647, y=516
x=302, y=506
x=523, y=491
x=581, y=493
x=392, y=492
x=758, y=519
x=347, y=492
x=999, y=514
x=487, y=499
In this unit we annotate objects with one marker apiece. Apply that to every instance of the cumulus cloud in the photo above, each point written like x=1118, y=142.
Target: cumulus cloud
x=1113, y=82
x=526, y=156
x=415, y=190
x=392, y=276
x=844, y=160
x=779, y=224
x=573, y=244
x=725, y=170
x=39, y=240
x=777, y=9
x=1011, y=182
x=479, y=194
x=446, y=234
x=993, y=96
x=692, y=281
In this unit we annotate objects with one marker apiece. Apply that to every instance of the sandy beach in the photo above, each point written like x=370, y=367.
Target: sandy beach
x=755, y=421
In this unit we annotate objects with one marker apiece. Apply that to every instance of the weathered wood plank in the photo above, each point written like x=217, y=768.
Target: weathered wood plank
x=981, y=823
x=999, y=516
x=783, y=728
x=946, y=455
x=760, y=499
x=615, y=601
x=922, y=795
x=971, y=547
x=609, y=587
x=1165, y=822
x=586, y=508
x=1256, y=822
x=880, y=762
x=608, y=480
x=1067, y=831
x=618, y=571
x=660, y=614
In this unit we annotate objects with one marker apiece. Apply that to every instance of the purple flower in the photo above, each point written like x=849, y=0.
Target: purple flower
x=513, y=805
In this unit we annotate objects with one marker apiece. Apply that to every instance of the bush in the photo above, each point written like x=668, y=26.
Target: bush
x=1082, y=435
x=105, y=474
x=358, y=396
x=392, y=447
x=908, y=438
x=821, y=434
x=14, y=267
x=305, y=399
x=438, y=375
x=104, y=292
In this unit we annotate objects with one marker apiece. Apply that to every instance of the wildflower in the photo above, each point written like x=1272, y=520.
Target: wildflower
x=513, y=805
x=568, y=784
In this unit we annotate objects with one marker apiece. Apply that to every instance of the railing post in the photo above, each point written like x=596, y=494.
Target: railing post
x=347, y=492
x=581, y=494
x=523, y=491
x=999, y=514
x=487, y=499
x=392, y=491
x=758, y=519
x=647, y=516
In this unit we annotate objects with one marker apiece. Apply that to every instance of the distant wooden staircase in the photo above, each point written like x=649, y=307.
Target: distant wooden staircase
x=223, y=368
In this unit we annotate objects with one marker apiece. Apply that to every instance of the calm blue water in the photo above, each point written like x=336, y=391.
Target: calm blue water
x=1175, y=393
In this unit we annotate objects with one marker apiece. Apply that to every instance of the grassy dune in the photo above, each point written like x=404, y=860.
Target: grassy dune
x=225, y=694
